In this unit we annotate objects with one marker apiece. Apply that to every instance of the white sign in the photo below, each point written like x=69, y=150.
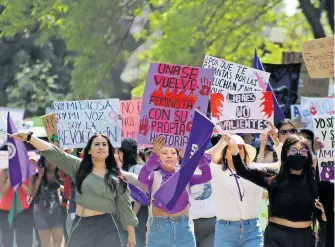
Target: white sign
x=311, y=107
x=295, y=112
x=77, y=121
x=242, y=112
x=324, y=130
x=233, y=77
x=4, y=160
x=16, y=115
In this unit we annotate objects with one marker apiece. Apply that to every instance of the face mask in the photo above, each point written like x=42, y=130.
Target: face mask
x=297, y=162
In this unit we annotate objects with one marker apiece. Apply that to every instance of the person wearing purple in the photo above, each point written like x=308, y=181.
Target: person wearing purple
x=166, y=228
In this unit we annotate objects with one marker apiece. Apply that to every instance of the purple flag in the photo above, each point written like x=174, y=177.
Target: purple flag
x=19, y=168
x=278, y=114
x=138, y=195
x=169, y=193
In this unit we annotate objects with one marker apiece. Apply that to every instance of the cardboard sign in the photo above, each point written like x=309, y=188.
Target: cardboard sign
x=319, y=57
x=308, y=87
x=77, y=121
x=171, y=95
x=233, y=77
x=315, y=107
x=242, y=112
x=50, y=126
x=130, y=112
x=324, y=129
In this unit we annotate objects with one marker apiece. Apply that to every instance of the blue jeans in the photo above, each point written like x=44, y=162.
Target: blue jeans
x=244, y=233
x=171, y=232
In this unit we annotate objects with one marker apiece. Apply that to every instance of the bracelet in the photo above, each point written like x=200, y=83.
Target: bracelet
x=29, y=136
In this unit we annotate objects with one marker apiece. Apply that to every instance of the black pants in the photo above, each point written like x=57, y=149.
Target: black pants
x=94, y=231
x=23, y=227
x=282, y=236
x=204, y=231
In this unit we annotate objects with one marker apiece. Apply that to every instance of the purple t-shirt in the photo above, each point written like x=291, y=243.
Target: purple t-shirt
x=153, y=163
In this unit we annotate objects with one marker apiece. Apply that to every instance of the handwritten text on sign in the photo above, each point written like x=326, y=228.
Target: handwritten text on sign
x=171, y=95
x=319, y=57
x=77, y=120
x=130, y=112
x=242, y=112
x=311, y=107
x=233, y=77
x=324, y=129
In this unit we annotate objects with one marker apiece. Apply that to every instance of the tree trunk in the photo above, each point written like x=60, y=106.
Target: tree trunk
x=313, y=15
x=329, y=7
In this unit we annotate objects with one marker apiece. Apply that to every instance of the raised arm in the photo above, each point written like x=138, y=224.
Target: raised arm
x=206, y=174
x=66, y=162
x=145, y=177
x=258, y=177
x=146, y=174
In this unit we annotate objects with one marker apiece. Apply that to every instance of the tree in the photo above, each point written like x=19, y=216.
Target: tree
x=97, y=31
x=230, y=29
x=313, y=11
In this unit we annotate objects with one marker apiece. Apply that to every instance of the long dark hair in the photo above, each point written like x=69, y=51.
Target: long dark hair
x=308, y=173
x=223, y=159
x=130, y=158
x=113, y=176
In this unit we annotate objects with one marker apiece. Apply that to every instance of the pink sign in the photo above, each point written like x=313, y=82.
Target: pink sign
x=171, y=96
x=130, y=112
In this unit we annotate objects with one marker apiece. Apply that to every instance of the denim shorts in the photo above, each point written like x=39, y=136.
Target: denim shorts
x=171, y=232
x=46, y=222
x=244, y=233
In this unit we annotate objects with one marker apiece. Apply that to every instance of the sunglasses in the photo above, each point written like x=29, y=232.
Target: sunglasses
x=290, y=131
x=294, y=151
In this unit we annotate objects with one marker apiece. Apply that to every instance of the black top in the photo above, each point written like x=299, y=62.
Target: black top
x=291, y=199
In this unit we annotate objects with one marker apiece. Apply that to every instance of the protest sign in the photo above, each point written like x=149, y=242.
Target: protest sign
x=315, y=107
x=319, y=57
x=308, y=87
x=77, y=121
x=324, y=130
x=171, y=95
x=130, y=112
x=284, y=82
x=50, y=126
x=233, y=77
x=4, y=160
x=242, y=112
x=295, y=112
x=15, y=113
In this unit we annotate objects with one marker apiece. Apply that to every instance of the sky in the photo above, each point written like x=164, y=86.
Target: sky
x=291, y=6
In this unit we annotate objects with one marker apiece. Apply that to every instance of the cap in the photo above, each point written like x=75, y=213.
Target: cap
x=128, y=145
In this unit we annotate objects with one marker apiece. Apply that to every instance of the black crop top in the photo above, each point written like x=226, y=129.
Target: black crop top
x=292, y=199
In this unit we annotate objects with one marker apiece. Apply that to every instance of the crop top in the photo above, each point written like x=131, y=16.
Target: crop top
x=95, y=194
x=153, y=163
x=292, y=199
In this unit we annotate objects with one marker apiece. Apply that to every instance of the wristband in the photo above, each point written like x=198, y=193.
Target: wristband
x=29, y=136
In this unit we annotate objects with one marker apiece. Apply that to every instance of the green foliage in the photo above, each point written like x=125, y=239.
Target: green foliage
x=95, y=30
x=36, y=88
x=228, y=29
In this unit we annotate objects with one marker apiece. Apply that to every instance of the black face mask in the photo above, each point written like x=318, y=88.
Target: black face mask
x=297, y=162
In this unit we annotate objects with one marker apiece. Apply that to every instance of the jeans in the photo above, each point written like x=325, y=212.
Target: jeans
x=244, y=233
x=171, y=232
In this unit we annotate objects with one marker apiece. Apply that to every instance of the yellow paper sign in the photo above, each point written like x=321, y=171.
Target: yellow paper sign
x=318, y=55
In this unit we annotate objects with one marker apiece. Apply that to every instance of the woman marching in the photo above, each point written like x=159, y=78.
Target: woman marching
x=169, y=228
x=100, y=191
x=237, y=202
x=292, y=193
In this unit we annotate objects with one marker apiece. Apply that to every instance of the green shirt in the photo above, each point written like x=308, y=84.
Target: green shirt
x=95, y=194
